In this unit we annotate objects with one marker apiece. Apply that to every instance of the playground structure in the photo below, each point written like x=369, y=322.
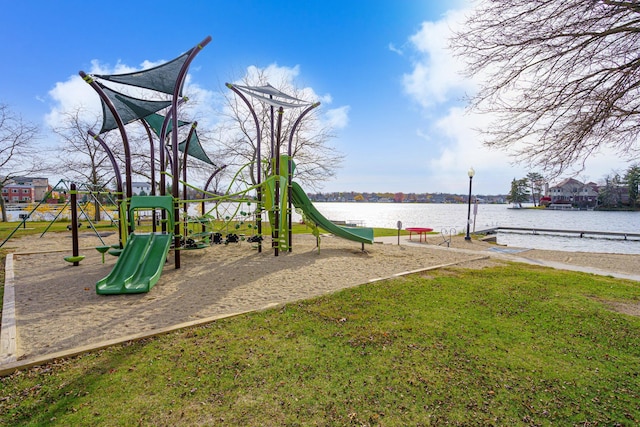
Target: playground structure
x=68, y=207
x=140, y=264
x=142, y=256
x=278, y=194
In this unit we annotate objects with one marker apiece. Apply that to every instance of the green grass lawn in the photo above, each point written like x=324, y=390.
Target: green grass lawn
x=509, y=345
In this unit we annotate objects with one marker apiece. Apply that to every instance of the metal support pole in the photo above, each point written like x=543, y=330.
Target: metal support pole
x=290, y=170
x=185, y=157
x=258, y=162
x=122, y=223
x=275, y=228
x=153, y=171
x=125, y=141
x=74, y=223
x=174, y=146
x=468, y=237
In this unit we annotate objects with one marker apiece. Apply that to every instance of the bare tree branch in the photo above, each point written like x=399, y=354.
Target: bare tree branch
x=81, y=158
x=316, y=160
x=18, y=156
x=562, y=78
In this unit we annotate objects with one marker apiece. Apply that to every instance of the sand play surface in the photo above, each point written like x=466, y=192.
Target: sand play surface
x=57, y=308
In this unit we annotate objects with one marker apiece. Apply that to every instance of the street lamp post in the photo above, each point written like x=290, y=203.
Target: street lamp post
x=471, y=173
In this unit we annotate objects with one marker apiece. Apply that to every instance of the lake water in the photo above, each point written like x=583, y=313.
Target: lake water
x=453, y=218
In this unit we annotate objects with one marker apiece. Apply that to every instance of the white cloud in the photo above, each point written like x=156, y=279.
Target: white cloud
x=435, y=82
x=146, y=64
x=463, y=149
x=273, y=73
x=69, y=96
x=436, y=72
x=394, y=49
x=423, y=135
x=453, y=144
x=338, y=118
x=326, y=99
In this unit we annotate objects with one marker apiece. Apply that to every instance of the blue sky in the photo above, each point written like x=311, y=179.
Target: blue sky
x=380, y=67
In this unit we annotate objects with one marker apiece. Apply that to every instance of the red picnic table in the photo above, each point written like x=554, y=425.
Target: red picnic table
x=419, y=231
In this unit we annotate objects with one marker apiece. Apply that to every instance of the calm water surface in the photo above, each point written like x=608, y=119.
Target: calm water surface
x=453, y=218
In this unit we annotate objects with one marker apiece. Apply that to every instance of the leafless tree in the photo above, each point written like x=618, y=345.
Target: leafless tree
x=316, y=160
x=562, y=78
x=80, y=158
x=17, y=151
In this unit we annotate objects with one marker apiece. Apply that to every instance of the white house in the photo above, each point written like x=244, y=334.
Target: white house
x=140, y=188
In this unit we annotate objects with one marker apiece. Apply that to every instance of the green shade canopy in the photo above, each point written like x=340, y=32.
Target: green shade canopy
x=155, y=122
x=129, y=109
x=162, y=78
x=195, y=149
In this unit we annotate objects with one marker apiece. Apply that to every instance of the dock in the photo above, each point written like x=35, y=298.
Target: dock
x=578, y=233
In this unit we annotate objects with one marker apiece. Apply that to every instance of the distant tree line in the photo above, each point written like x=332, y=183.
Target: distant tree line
x=399, y=197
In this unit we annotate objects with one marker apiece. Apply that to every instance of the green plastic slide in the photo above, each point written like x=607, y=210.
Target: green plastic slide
x=301, y=201
x=139, y=265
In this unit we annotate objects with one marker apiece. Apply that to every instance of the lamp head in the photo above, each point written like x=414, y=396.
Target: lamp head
x=471, y=172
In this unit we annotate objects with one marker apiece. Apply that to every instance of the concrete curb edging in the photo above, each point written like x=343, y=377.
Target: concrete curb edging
x=11, y=367
x=8, y=333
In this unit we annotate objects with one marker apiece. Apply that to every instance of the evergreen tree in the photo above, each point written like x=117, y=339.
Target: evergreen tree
x=632, y=179
x=610, y=194
x=519, y=192
x=536, y=183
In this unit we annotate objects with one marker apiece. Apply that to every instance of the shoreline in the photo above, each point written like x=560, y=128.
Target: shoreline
x=57, y=310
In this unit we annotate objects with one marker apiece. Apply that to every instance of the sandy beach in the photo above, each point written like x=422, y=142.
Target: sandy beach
x=57, y=308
